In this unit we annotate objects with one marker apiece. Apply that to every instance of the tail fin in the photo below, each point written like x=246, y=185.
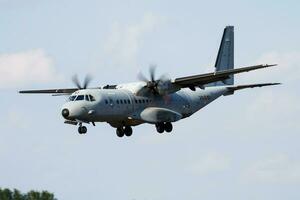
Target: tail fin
x=225, y=58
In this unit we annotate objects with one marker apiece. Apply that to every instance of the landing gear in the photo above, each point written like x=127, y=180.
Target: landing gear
x=121, y=131
x=168, y=127
x=82, y=130
x=128, y=131
x=161, y=127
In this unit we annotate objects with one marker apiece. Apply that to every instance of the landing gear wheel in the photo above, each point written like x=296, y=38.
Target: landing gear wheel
x=128, y=131
x=168, y=127
x=82, y=130
x=160, y=127
x=120, y=132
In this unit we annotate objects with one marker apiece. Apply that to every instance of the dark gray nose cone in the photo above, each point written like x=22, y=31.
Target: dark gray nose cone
x=65, y=113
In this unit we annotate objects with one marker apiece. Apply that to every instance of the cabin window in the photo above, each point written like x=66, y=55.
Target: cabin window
x=117, y=101
x=128, y=101
x=125, y=101
x=106, y=102
x=140, y=101
x=121, y=101
x=135, y=101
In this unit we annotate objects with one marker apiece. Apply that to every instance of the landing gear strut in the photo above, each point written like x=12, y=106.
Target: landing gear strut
x=161, y=127
x=82, y=129
x=121, y=131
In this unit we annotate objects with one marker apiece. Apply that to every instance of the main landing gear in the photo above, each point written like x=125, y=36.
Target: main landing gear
x=161, y=127
x=121, y=131
x=82, y=129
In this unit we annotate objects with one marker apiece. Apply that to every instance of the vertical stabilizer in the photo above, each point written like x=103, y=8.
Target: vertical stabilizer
x=225, y=58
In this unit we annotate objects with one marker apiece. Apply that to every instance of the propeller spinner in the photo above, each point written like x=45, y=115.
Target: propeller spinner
x=153, y=84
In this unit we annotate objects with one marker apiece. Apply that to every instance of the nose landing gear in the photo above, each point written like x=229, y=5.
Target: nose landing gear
x=82, y=129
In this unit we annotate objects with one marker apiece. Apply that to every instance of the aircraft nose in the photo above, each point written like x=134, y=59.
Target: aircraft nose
x=65, y=113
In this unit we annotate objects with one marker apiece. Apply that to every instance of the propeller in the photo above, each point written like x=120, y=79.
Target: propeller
x=86, y=81
x=152, y=84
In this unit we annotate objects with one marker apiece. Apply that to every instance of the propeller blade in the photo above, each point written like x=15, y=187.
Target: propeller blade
x=152, y=72
x=142, y=77
x=87, y=81
x=76, y=81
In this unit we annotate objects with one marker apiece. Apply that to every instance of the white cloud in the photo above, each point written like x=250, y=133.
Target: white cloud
x=26, y=67
x=124, y=41
x=209, y=163
x=278, y=169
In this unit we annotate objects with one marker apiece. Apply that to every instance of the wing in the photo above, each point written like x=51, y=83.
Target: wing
x=203, y=79
x=50, y=91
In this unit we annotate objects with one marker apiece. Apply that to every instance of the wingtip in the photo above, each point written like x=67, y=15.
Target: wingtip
x=272, y=84
x=271, y=65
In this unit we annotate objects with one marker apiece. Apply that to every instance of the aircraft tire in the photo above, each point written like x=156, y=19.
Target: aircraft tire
x=168, y=127
x=160, y=128
x=82, y=130
x=120, y=132
x=128, y=131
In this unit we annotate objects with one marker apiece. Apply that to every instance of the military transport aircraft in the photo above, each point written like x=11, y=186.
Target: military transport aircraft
x=156, y=101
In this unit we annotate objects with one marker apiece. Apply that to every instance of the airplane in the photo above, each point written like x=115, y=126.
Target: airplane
x=160, y=102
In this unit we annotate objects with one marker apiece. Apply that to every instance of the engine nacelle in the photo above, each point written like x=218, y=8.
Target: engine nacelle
x=166, y=87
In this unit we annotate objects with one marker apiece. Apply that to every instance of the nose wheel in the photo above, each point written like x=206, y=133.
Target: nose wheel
x=82, y=130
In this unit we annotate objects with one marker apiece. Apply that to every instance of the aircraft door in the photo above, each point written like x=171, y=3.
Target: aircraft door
x=111, y=104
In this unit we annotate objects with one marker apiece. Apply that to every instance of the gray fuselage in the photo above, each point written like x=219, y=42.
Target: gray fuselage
x=122, y=106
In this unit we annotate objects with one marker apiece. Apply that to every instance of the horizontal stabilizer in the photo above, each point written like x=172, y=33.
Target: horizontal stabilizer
x=231, y=89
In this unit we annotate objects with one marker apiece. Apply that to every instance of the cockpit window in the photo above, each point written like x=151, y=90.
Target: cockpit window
x=79, y=98
x=72, y=98
x=92, y=98
x=87, y=98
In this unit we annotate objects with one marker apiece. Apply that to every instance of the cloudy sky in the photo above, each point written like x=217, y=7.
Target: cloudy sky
x=244, y=146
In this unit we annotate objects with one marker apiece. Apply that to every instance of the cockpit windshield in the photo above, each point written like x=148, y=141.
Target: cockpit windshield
x=79, y=98
x=87, y=97
x=72, y=98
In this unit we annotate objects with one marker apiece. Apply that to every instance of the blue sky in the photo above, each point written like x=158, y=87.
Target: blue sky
x=240, y=147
